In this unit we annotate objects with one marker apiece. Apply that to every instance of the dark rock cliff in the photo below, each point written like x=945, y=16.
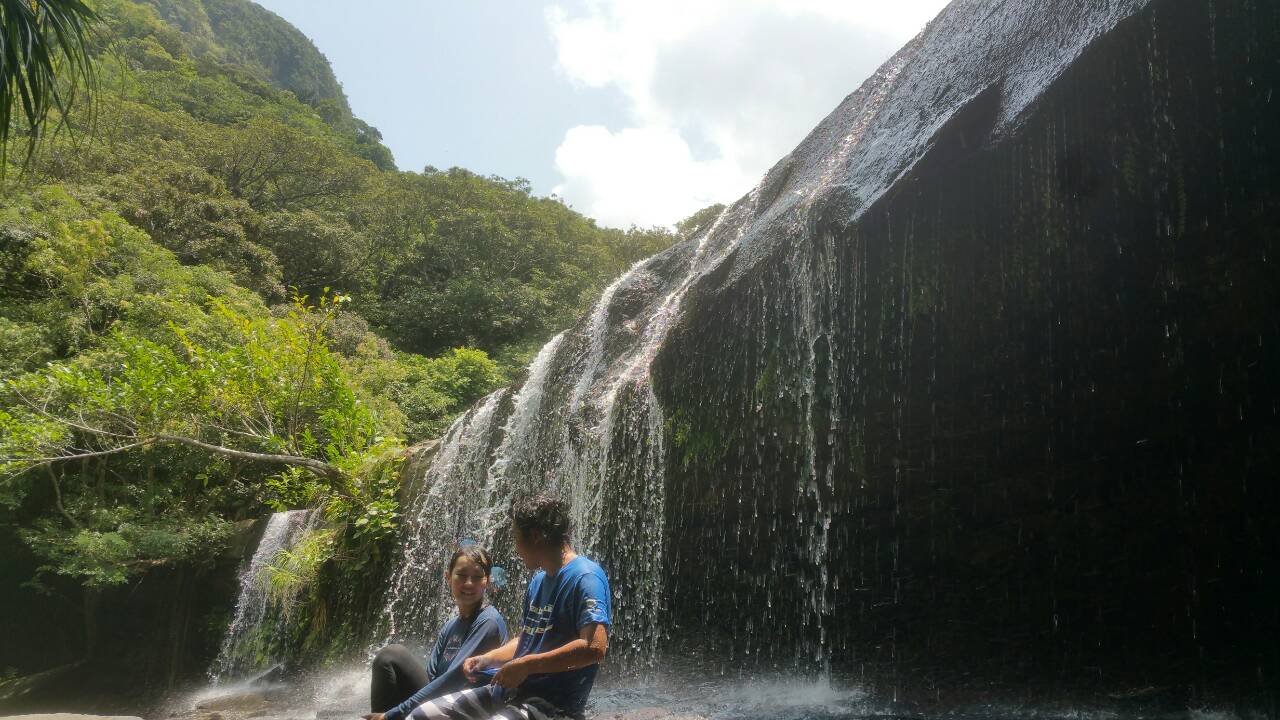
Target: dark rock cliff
x=986, y=395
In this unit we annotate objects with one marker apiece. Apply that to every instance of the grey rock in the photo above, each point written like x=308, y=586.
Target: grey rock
x=246, y=702
x=648, y=713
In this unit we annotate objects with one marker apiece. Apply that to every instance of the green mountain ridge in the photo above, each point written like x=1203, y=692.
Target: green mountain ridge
x=245, y=34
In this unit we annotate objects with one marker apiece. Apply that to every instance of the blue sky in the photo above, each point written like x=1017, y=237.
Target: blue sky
x=634, y=111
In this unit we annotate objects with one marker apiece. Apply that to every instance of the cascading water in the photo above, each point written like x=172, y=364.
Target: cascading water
x=586, y=424
x=516, y=454
x=253, y=638
x=451, y=506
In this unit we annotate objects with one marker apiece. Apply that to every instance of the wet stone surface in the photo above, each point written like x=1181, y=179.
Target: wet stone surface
x=279, y=705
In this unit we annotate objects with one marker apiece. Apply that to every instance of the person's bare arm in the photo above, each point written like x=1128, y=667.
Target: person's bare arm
x=588, y=649
x=496, y=657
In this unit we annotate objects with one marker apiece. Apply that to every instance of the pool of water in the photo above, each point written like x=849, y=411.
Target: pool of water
x=344, y=693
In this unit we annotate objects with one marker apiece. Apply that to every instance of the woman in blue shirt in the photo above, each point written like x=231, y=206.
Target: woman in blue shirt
x=401, y=683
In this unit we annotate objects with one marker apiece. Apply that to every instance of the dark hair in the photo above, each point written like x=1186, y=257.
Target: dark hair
x=545, y=515
x=475, y=554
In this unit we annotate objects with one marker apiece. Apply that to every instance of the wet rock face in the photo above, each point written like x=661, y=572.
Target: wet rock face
x=987, y=396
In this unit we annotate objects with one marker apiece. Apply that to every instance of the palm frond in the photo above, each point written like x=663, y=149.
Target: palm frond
x=44, y=64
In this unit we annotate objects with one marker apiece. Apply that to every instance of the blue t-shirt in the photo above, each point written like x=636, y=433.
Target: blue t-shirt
x=555, y=609
x=460, y=638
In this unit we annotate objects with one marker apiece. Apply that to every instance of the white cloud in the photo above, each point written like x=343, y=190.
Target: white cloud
x=718, y=91
x=644, y=175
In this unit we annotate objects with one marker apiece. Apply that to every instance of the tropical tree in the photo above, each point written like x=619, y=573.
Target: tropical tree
x=44, y=62
x=263, y=390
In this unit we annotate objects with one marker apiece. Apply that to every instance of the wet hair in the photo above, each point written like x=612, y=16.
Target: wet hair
x=544, y=515
x=475, y=554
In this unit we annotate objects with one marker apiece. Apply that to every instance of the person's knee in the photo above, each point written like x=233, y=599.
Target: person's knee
x=390, y=655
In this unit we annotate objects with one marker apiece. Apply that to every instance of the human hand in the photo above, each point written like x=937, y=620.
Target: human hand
x=472, y=666
x=372, y=716
x=512, y=674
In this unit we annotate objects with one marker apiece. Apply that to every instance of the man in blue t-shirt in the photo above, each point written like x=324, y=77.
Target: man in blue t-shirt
x=548, y=670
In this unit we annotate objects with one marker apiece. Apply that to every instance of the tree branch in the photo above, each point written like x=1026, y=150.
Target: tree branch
x=57, y=499
x=36, y=462
x=40, y=410
x=318, y=467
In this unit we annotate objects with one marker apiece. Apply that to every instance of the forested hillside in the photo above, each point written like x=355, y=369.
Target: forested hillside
x=220, y=298
x=257, y=41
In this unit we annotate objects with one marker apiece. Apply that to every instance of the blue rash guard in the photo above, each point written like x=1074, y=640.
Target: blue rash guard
x=555, y=609
x=460, y=639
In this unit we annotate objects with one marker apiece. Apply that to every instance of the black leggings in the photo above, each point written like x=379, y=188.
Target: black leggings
x=397, y=674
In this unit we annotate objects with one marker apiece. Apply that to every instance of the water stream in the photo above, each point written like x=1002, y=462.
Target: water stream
x=252, y=641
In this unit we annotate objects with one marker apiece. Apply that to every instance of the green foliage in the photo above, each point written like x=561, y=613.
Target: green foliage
x=432, y=391
x=74, y=273
x=424, y=394
x=478, y=261
x=266, y=385
x=699, y=221
x=191, y=212
x=294, y=570
x=314, y=247
x=112, y=344
x=132, y=346
x=120, y=542
x=243, y=34
x=695, y=442
x=368, y=508
x=26, y=346
x=44, y=60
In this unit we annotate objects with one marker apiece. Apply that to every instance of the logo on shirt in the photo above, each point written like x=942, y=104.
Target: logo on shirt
x=537, y=620
x=451, y=647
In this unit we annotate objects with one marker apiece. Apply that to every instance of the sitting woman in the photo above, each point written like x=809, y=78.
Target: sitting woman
x=401, y=683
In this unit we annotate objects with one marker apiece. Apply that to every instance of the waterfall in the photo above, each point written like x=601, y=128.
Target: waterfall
x=588, y=425
x=585, y=424
x=519, y=435
x=253, y=638
x=452, y=505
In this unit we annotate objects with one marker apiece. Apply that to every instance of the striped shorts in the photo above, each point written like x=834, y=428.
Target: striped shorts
x=481, y=704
